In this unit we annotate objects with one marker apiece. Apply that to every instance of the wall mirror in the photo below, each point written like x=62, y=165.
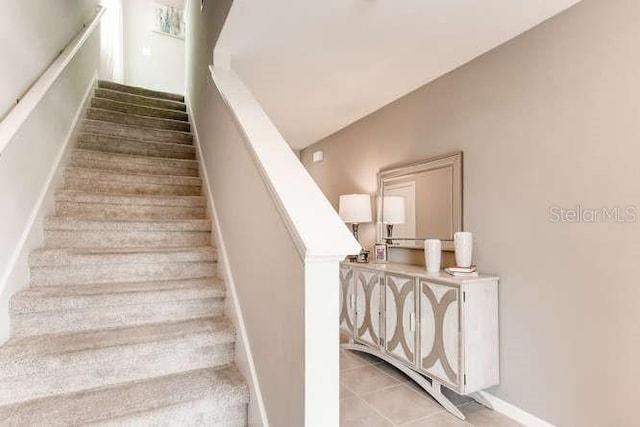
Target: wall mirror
x=421, y=201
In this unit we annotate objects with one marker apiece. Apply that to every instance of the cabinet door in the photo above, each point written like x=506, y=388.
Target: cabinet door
x=367, y=307
x=439, y=332
x=347, y=300
x=400, y=318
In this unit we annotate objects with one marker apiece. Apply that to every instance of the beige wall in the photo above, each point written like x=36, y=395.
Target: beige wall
x=32, y=34
x=550, y=118
x=268, y=273
x=164, y=69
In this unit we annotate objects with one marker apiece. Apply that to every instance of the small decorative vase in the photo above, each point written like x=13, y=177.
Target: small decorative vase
x=463, y=243
x=432, y=255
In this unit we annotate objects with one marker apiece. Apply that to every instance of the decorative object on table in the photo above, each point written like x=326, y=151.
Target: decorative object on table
x=355, y=209
x=463, y=244
x=470, y=271
x=393, y=211
x=380, y=253
x=363, y=257
x=432, y=255
x=169, y=21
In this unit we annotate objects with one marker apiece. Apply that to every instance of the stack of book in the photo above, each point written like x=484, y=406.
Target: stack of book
x=471, y=271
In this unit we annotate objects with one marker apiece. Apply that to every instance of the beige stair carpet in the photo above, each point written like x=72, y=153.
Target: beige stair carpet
x=123, y=321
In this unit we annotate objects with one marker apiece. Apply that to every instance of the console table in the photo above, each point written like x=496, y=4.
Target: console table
x=437, y=329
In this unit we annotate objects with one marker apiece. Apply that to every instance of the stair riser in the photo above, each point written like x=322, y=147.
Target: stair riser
x=139, y=100
x=127, y=212
x=194, y=413
x=128, y=314
x=123, y=165
x=140, y=91
x=119, y=239
x=118, y=130
x=173, y=151
x=134, y=120
x=109, y=187
x=78, y=371
x=56, y=276
x=108, y=104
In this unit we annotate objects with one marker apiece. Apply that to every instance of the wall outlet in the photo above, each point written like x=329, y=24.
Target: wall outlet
x=146, y=51
x=318, y=156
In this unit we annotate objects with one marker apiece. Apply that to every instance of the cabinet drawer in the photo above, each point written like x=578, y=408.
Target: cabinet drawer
x=439, y=355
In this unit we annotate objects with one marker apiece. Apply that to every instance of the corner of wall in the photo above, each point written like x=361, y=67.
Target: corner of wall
x=16, y=276
x=257, y=413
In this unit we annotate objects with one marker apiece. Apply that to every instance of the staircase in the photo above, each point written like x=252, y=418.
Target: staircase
x=123, y=323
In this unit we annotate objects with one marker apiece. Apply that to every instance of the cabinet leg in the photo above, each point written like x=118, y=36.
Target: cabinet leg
x=481, y=400
x=433, y=387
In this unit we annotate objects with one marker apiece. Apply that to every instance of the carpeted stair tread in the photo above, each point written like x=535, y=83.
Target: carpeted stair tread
x=140, y=91
x=39, y=299
x=133, y=147
x=223, y=387
x=136, y=132
x=52, y=344
x=100, y=206
x=129, y=163
x=139, y=100
x=140, y=110
x=135, y=200
x=64, y=223
x=67, y=366
x=136, y=120
x=111, y=256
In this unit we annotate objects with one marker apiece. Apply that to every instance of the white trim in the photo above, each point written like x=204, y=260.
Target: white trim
x=46, y=189
x=312, y=222
x=228, y=275
x=513, y=412
x=10, y=125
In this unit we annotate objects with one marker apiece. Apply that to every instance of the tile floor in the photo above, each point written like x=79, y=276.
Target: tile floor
x=375, y=394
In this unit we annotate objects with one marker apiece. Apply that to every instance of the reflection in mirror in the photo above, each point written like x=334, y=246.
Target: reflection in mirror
x=421, y=201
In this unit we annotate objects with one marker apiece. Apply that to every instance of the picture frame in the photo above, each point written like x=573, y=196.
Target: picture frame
x=380, y=253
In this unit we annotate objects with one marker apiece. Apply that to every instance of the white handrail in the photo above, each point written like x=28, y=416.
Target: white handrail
x=314, y=225
x=10, y=125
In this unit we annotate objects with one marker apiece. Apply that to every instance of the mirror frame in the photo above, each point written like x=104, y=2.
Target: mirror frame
x=452, y=160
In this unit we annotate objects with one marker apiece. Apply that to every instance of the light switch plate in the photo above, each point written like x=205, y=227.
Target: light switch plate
x=318, y=156
x=146, y=51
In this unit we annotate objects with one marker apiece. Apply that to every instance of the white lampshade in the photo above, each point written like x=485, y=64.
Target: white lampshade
x=393, y=210
x=355, y=208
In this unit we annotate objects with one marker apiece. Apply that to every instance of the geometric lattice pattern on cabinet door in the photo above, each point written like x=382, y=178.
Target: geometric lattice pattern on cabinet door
x=367, y=307
x=400, y=320
x=439, y=334
x=347, y=299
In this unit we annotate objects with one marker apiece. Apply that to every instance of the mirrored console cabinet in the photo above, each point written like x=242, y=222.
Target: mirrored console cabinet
x=438, y=329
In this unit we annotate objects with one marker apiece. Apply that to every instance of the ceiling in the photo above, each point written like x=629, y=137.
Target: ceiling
x=318, y=66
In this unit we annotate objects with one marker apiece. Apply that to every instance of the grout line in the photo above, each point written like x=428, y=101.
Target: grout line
x=374, y=410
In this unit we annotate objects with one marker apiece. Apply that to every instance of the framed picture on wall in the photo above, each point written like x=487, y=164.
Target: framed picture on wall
x=380, y=253
x=169, y=21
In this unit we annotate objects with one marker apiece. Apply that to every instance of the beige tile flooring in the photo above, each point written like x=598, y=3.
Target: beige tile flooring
x=375, y=394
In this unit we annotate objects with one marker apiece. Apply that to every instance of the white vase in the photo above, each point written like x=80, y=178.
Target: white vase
x=432, y=255
x=463, y=243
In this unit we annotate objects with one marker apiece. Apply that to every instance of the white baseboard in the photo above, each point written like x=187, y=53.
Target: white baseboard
x=16, y=275
x=244, y=358
x=519, y=415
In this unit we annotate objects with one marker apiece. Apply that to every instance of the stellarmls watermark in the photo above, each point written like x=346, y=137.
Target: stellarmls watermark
x=579, y=214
